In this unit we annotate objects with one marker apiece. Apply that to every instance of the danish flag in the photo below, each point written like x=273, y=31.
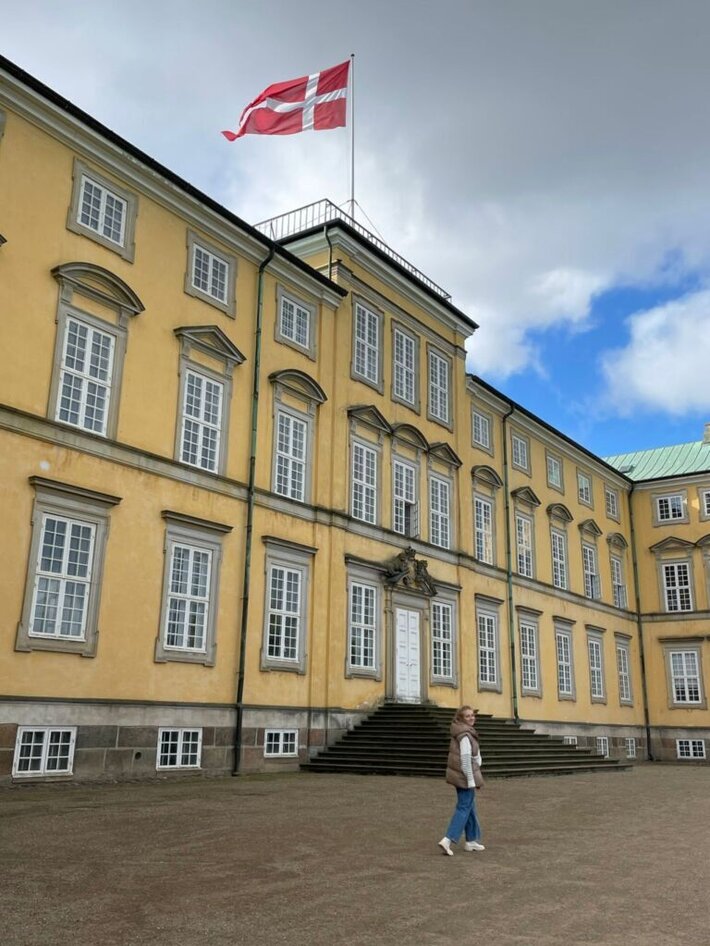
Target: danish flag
x=311, y=103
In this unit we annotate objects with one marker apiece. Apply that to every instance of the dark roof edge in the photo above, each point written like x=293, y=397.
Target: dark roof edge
x=538, y=420
x=402, y=270
x=65, y=105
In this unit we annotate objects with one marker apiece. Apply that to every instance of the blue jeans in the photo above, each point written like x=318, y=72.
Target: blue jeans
x=464, y=817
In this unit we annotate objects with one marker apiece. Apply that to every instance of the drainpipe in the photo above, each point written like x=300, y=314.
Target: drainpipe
x=250, y=512
x=330, y=252
x=509, y=574
x=639, y=626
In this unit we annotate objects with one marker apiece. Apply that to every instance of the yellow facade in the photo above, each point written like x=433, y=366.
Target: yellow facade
x=214, y=444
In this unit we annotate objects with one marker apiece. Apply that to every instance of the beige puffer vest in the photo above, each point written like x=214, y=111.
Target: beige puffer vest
x=454, y=772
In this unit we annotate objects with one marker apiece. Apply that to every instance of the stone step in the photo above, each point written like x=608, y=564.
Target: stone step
x=414, y=739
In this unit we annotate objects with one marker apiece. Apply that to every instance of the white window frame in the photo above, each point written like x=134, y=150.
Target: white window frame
x=367, y=345
x=704, y=503
x=481, y=431
x=77, y=381
x=291, y=458
x=564, y=663
x=569, y=740
x=483, y=529
x=280, y=743
x=87, y=510
x=363, y=628
x=618, y=583
x=364, y=482
x=678, y=592
x=443, y=636
x=631, y=747
x=195, y=343
x=590, y=568
x=602, y=745
x=524, y=545
x=520, y=452
x=197, y=538
x=595, y=656
x=554, y=463
x=116, y=305
x=611, y=503
x=584, y=488
x=68, y=734
x=101, y=218
x=405, y=362
x=216, y=258
x=623, y=670
x=685, y=676
x=295, y=322
x=285, y=591
x=210, y=273
x=670, y=507
x=294, y=563
x=189, y=565
x=440, y=511
x=439, y=399
x=66, y=578
x=488, y=648
x=558, y=548
x=405, y=505
x=202, y=422
x=109, y=191
x=695, y=749
x=530, y=681
x=183, y=745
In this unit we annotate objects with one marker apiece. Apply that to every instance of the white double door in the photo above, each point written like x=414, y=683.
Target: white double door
x=408, y=684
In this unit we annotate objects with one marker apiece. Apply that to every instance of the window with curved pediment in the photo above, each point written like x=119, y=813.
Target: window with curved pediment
x=93, y=315
x=485, y=484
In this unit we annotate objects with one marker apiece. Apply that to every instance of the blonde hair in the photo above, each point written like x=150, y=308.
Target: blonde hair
x=460, y=711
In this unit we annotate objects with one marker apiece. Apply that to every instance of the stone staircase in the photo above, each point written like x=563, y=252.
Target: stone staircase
x=404, y=739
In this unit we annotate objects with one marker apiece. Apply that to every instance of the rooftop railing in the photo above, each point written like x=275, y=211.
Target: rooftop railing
x=324, y=211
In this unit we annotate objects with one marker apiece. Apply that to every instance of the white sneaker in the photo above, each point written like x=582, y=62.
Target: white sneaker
x=445, y=846
x=473, y=846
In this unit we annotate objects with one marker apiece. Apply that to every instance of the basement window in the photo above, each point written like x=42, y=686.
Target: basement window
x=179, y=748
x=690, y=748
x=40, y=750
x=280, y=742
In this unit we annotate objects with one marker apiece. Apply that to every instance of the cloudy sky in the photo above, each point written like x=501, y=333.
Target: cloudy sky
x=546, y=161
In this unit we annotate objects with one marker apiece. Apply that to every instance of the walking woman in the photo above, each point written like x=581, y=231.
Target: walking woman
x=463, y=771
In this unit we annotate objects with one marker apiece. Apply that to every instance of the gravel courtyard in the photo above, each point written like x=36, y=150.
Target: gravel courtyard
x=321, y=860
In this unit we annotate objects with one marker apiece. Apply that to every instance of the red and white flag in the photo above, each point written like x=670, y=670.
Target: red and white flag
x=311, y=103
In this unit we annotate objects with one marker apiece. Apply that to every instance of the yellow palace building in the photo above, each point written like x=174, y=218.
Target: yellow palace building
x=249, y=493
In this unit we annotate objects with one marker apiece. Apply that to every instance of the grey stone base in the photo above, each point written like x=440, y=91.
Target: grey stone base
x=586, y=734
x=665, y=749
x=117, y=741
x=316, y=729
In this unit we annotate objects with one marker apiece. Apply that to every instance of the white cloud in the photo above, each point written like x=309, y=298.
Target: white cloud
x=664, y=366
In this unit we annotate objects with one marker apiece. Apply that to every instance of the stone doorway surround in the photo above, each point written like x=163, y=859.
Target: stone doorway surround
x=408, y=588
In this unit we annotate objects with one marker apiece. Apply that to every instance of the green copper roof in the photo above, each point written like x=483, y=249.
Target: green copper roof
x=681, y=460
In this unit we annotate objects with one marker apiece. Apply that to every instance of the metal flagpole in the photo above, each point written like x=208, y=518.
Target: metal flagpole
x=352, y=135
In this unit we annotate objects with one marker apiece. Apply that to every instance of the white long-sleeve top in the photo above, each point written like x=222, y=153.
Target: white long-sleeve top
x=467, y=761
